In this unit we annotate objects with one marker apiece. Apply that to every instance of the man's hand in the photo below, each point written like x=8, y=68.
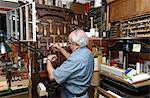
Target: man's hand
x=49, y=67
x=56, y=46
x=51, y=58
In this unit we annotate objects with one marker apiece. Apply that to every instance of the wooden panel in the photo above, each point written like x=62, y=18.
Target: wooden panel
x=122, y=9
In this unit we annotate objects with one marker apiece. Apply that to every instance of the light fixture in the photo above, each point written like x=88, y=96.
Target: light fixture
x=4, y=48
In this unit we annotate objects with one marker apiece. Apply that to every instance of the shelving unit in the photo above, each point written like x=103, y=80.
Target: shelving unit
x=21, y=23
x=98, y=19
x=116, y=84
x=138, y=26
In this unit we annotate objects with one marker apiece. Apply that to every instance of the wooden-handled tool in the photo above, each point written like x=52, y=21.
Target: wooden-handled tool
x=41, y=42
x=50, y=25
x=65, y=27
x=91, y=18
x=54, y=37
x=58, y=28
x=92, y=30
x=58, y=31
x=45, y=29
x=47, y=42
x=38, y=37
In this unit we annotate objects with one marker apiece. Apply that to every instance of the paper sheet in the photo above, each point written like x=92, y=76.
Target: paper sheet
x=136, y=48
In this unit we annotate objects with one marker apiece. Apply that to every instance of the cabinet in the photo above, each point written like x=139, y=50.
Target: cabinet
x=123, y=9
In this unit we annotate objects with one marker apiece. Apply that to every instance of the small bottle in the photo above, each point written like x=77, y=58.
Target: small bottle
x=104, y=34
x=96, y=31
x=96, y=68
x=104, y=58
x=138, y=67
x=142, y=66
x=59, y=3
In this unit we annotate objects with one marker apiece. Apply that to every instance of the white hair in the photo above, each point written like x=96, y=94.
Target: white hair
x=79, y=37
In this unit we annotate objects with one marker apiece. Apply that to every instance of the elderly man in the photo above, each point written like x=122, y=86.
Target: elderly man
x=75, y=73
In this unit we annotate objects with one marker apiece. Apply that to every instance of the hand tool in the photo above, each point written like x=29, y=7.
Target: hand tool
x=50, y=25
x=45, y=29
x=65, y=27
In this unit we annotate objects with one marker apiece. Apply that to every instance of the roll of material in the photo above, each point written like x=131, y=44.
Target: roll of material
x=140, y=77
x=96, y=65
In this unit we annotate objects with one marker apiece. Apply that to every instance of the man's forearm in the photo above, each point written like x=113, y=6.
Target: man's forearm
x=50, y=70
x=64, y=52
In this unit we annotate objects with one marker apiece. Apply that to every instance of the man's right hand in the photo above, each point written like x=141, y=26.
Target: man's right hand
x=56, y=46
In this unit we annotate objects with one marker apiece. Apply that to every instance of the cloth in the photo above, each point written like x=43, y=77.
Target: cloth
x=75, y=73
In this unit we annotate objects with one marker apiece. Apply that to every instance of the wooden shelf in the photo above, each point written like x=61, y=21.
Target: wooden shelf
x=136, y=85
x=126, y=38
x=41, y=6
x=95, y=38
x=104, y=93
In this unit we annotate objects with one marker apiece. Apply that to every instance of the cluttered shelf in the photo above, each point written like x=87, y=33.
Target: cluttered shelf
x=136, y=85
x=127, y=38
x=121, y=90
x=12, y=93
x=53, y=8
x=104, y=93
x=114, y=81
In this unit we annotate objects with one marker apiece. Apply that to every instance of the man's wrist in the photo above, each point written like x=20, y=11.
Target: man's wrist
x=49, y=60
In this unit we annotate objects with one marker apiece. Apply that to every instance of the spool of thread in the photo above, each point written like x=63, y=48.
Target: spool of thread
x=137, y=67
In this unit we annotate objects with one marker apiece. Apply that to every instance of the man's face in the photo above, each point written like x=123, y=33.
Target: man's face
x=71, y=45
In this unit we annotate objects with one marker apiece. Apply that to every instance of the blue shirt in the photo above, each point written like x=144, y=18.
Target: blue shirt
x=75, y=73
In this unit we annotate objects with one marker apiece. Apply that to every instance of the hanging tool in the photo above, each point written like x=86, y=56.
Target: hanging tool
x=41, y=42
x=65, y=27
x=92, y=30
x=58, y=28
x=45, y=28
x=47, y=42
x=50, y=25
